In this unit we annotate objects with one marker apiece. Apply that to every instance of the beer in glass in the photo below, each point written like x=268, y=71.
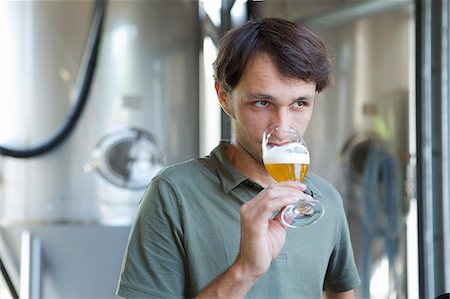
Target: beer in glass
x=286, y=157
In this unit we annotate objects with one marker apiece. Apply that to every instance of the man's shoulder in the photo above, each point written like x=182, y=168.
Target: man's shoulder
x=188, y=170
x=324, y=188
x=321, y=183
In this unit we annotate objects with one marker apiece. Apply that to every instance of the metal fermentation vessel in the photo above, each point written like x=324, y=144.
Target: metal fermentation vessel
x=141, y=115
x=364, y=122
x=360, y=134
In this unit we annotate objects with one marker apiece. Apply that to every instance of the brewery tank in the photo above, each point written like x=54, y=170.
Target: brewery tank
x=361, y=137
x=140, y=115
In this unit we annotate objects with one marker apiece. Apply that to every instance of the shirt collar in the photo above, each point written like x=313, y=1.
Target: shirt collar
x=228, y=174
x=231, y=177
x=312, y=188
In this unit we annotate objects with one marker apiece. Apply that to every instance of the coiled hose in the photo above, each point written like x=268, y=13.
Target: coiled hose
x=88, y=68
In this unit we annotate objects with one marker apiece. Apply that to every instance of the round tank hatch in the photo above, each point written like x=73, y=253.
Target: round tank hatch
x=128, y=158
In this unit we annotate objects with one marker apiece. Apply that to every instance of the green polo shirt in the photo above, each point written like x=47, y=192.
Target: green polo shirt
x=187, y=232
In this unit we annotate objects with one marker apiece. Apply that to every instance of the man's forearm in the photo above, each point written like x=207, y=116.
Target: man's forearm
x=232, y=283
x=343, y=295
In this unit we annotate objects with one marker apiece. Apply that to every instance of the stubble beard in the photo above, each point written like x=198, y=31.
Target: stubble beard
x=244, y=140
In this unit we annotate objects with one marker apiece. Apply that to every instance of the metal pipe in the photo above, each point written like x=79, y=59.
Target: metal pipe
x=345, y=13
x=433, y=146
x=424, y=149
x=445, y=111
x=30, y=266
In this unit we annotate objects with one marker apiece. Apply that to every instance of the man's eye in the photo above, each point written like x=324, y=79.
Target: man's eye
x=261, y=104
x=298, y=104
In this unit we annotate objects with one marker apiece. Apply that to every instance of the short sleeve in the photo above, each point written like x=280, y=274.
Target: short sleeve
x=153, y=264
x=342, y=274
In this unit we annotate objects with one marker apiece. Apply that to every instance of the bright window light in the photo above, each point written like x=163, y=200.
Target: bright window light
x=8, y=73
x=210, y=111
x=212, y=8
x=239, y=12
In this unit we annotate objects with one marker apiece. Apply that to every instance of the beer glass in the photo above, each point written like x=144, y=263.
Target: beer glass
x=286, y=157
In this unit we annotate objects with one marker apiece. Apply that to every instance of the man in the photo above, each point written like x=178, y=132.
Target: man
x=205, y=228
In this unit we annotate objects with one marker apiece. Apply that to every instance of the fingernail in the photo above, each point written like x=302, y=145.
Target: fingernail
x=304, y=196
x=302, y=186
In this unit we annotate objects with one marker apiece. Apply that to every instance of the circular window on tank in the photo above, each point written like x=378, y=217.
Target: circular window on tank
x=128, y=158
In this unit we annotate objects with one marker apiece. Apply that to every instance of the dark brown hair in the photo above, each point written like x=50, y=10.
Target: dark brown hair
x=295, y=50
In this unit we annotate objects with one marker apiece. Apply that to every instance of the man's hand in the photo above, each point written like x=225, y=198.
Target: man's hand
x=262, y=238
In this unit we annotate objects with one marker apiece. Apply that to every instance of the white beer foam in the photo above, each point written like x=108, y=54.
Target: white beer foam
x=285, y=154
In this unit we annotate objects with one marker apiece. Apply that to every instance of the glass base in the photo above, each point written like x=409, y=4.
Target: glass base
x=302, y=214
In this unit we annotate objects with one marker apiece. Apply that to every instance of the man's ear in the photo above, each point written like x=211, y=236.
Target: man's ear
x=224, y=99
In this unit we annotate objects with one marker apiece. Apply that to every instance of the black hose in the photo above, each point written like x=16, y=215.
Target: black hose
x=8, y=281
x=74, y=114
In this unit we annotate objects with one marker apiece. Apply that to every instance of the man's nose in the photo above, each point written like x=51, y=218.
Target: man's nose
x=281, y=116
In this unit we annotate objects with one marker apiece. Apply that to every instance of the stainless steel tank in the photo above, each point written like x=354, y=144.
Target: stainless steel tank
x=142, y=110
x=78, y=200
x=361, y=135
x=360, y=141
x=141, y=114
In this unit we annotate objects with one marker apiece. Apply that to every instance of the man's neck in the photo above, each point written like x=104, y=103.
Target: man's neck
x=248, y=165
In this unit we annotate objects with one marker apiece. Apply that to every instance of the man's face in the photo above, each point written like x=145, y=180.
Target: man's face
x=264, y=97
